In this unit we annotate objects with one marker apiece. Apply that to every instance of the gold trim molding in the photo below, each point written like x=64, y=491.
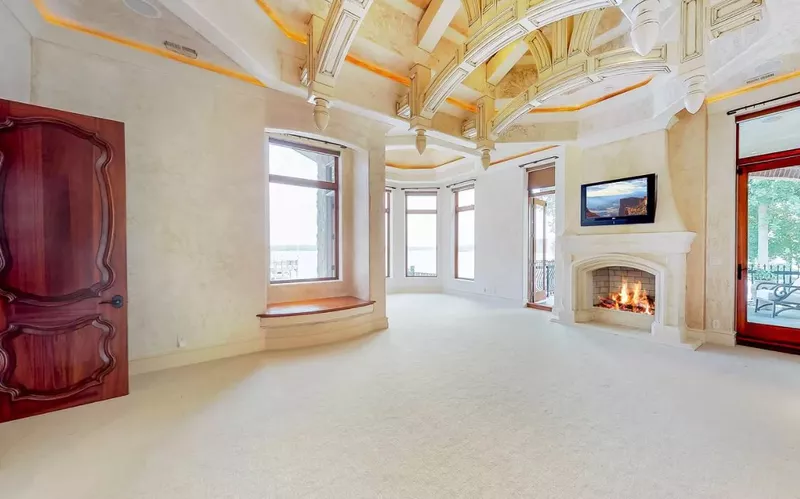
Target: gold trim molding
x=55, y=20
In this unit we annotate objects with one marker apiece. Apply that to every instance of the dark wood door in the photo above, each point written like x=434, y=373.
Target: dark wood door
x=768, y=229
x=63, y=320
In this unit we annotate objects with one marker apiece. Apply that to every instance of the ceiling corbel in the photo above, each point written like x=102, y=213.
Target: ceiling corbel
x=329, y=41
x=692, y=53
x=434, y=23
x=644, y=16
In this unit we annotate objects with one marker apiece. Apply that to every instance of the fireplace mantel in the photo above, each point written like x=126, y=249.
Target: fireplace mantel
x=658, y=243
x=662, y=254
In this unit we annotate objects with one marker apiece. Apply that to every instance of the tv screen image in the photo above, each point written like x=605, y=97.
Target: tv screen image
x=620, y=201
x=617, y=199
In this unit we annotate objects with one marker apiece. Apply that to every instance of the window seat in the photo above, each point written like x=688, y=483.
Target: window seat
x=308, y=323
x=314, y=311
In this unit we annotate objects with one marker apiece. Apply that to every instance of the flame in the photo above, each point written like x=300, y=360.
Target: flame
x=635, y=300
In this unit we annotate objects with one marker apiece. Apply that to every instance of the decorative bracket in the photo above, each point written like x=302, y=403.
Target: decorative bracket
x=645, y=23
x=328, y=44
x=692, y=53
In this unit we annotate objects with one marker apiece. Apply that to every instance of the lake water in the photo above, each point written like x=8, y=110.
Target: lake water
x=423, y=260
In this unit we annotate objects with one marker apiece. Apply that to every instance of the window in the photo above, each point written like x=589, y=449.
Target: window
x=465, y=233
x=387, y=213
x=303, y=213
x=421, y=234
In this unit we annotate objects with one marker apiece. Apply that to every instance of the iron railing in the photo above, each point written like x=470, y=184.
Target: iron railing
x=544, y=276
x=780, y=274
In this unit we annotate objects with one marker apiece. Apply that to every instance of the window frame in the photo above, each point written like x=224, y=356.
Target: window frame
x=435, y=195
x=318, y=184
x=387, y=210
x=458, y=210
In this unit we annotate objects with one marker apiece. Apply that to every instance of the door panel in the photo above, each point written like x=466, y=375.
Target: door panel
x=62, y=254
x=769, y=256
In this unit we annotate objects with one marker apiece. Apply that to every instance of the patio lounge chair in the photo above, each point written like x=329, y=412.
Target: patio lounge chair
x=781, y=297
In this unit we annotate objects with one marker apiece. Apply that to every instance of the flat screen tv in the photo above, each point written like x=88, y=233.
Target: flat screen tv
x=622, y=201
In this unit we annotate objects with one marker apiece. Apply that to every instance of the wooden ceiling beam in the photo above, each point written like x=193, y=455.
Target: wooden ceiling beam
x=435, y=21
x=501, y=63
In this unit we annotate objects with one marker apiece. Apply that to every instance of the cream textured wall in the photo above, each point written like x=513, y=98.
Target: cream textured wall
x=687, y=165
x=15, y=58
x=721, y=221
x=195, y=192
x=196, y=189
x=626, y=158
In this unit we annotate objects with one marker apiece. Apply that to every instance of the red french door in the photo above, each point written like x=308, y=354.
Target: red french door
x=63, y=320
x=768, y=229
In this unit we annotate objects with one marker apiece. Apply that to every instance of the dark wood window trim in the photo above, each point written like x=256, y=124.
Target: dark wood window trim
x=459, y=210
x=435, y=196
x=317, y=184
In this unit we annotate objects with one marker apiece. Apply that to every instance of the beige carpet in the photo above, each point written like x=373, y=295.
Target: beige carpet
x=459, y=399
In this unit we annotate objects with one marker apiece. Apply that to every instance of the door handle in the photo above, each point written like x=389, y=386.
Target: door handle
x=116, y=301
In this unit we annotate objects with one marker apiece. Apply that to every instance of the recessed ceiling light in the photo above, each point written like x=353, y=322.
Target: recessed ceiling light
x=143, y=8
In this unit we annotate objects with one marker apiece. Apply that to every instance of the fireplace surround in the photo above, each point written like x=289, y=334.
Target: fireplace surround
x=660, y=254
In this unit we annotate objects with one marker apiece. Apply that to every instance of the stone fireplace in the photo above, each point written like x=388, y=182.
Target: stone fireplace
x=631, y=281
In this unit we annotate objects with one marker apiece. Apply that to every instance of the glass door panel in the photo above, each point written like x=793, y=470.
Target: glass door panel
x=542, y=249
x=769, y=255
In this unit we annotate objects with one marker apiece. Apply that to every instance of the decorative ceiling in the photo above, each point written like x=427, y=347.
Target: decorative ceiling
x=475, y=72
x=410, y=159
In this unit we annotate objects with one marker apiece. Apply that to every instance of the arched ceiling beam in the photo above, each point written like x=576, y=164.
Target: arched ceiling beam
x=540, y=49
x=583, y=33
x=434, y=22
x=500, y=24
x=585, y=72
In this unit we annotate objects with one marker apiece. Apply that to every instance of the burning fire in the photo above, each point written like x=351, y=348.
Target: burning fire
x=635, y=300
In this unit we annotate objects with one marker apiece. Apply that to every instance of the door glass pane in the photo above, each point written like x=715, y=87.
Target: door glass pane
x=421, y=245
x=544, y=249
x=466, y=245
x=773, y=247
x=772, y=133
x=387, y=241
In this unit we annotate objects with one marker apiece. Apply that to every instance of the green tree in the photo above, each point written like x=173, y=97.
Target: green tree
x=782, y=198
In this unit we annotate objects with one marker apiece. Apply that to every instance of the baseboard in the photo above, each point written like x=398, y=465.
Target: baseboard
x=726, y=338
x=182, y=358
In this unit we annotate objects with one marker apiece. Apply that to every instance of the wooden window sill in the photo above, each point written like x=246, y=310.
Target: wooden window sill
x=312, y=307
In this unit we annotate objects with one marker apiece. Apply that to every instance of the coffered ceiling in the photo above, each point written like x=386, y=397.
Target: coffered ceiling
x=475, y=72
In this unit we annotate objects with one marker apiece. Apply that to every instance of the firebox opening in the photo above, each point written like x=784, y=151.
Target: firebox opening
x=625, y=289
